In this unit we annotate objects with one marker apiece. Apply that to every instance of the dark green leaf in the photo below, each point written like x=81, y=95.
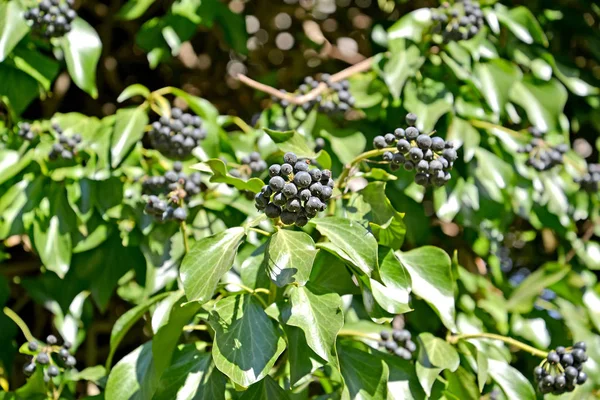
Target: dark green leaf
x=267, y=389
x=82, y=48
x=365, y=375
x=387, y=224
x=132, y=377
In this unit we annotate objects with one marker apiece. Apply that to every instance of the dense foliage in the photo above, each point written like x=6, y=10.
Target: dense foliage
x=261, y=199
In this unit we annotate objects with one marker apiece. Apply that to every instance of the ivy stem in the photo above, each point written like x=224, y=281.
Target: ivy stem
x=350, y=332
x=20, y=323
x=487, y=125
x=253, y=292
x=361, y=157
x=241, y=124
x=257, y=230
x=453, y=339
x=183, y=227
x=193, y=327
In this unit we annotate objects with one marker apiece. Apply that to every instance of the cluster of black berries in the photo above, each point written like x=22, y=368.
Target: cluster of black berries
x=43, y=357
x=591, y=180
x=461, y=21
x=430, y=157
x=168, y=192
x=252, y=165
x=506, y=262
x=398, y=342
x=178, y=135
x=337, y=99
x=51, y=18
x=562, y=370
x=295, y=193
x=542, y=156
x=66, y=148
x=26, y=131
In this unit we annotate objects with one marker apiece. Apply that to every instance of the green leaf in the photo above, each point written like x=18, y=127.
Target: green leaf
x=430, y=270
x=18, y=89
x=330, y=274
x=207, y=261
x=429, y=100
x=12, y=27
x=192, y=375
x=357, y=244
x=247, y=343
x=303, y=360
x=267, y=389
x=461, y=384
x=544, y=102
x=435, y=355
x=93, y=374
x=512, y=382
x=387, y=224
x=522, y=24
x=133, y=90
x=411, y=25
x=393, y=294
x=166, y=338
x=40, y=67
x=465, y=135
x=401, y=65
x=290, y=257
x=478, y=361
x=522, y=299
x=82, y=48
x=403, y=383
x=291, y=141
x=132, y=376
x=126, y=321
x=219, y=172
x=129, y=129
x=365, y=375
x=319, y=315
x=493, y=173
x=134, y=9
x=496, y=78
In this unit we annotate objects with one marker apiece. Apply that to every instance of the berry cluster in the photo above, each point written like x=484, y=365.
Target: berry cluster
x=568, y=365
x=178, y=135
x=51, y=18
x=430, y=157
x=398, y=342
x=591, y=180
x=43, y=357
x=252, y=165
x=66, y=147
x=461, y=21
x=168, y=192
x=26, y=131
x=542, y=156
x=337, y=99
x=295, y=193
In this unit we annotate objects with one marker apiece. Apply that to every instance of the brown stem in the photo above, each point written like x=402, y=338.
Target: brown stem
x=313, y=94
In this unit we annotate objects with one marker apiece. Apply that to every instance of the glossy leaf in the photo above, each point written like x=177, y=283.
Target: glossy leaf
x=393, y=294
x=387, y=224
x=82, y=48
x=132, y=376
x=362, y=382
x=513, y=383
x=267, y=389
x=129, y=130
x=219, y=172
x=290, y=257
x=12, y=27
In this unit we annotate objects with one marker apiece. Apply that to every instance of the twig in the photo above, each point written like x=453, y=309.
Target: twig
x=313, y=94
x=361, y=157
x=195, y=328
x=260, y=231
x=353, y=333
x=508, y=340
x=20, y=323
x=586, y=236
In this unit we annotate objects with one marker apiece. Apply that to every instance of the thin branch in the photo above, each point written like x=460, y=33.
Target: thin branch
x=313, y=94
x=508, y=340
x=586, y=236
x=20, y=323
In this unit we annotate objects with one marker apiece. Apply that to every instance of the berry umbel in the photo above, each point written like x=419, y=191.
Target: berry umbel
x=42, y=356
x=176, y=136
x=51, y=18
x=65, y=147
x=541, y=155
x=590, y=182
x=562, y=370
x=430, y=157
x=460, y=21
x=398, y=342
x=168, y=193
x=295, y=192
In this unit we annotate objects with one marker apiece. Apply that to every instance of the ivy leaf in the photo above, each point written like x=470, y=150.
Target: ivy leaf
x=435, y=355
x=191, y=375
x=246, y=343
x=82, y=48
x=393, y=294
x=267, y=389
x=493, y=173
x=522, y=299
x=461, y=384
x=134, y=9
x=401, y=65
x=465, y=135
x=12, y=27
x=496, y=78
x=544, y=102
x=430, y=100
x=430, y=270
x=513, y=383
x=290, y=257
x=522, y=24
x=403, y=383
x=129, y=130
x=207, y=261
x=362, y=382
x=291, y=141
x=18, y=87
x=330, y=274
x=357, y=244
x=478, y=361
x=303, y=360
x=133, y=90
x=126, y=321
x=319, y=315
x=220, y=175
x=411, y=25
x=132, y=377
x=387, y=224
